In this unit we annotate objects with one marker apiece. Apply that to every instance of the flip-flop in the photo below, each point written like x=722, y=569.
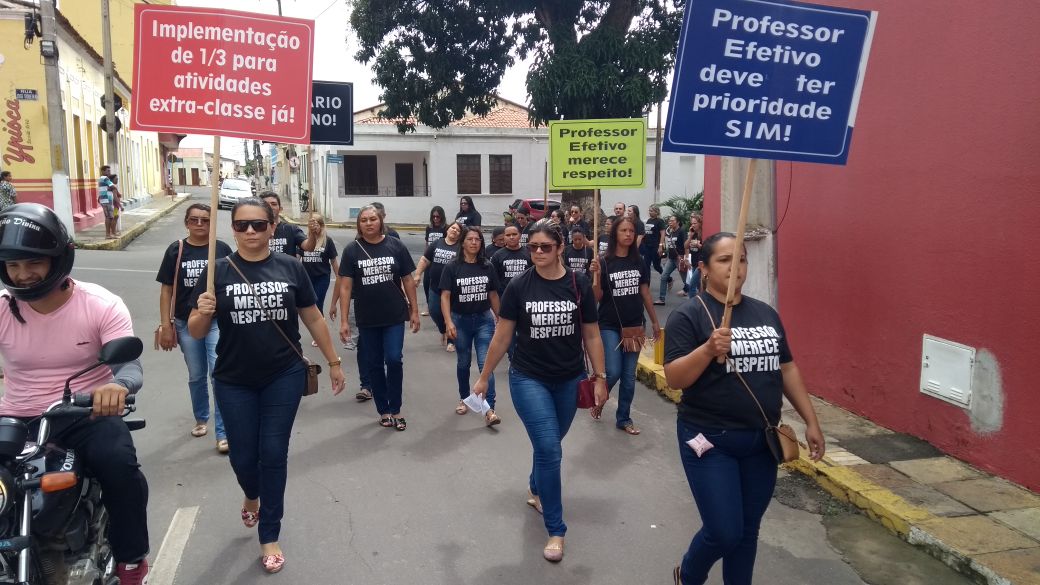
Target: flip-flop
x=461, y=408
x=272, y=563
x=363, y=395
x=199, y=430
x=386, y=422
x=630, y=429
x=400, y=424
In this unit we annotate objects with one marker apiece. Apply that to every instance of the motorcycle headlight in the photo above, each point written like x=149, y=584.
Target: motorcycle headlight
x=6, y=490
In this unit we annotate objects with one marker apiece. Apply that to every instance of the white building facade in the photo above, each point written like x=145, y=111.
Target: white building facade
x=494, y=160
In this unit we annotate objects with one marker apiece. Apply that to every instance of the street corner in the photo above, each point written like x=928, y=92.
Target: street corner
x=651, y=374
x=144, y=217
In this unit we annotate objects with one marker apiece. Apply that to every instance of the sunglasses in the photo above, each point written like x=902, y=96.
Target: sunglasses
x=198, y=220
x=258, y=225
x=546, y=248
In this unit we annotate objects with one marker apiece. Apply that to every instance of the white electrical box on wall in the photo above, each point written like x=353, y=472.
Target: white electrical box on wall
x=946, y=370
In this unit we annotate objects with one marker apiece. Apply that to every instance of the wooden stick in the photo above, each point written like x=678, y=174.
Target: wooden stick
x=738, y=247
x=545, y=191
x=310, y=179
x=595, y=234
x=214, y=202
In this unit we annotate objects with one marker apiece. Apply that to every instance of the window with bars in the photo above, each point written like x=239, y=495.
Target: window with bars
x=501, y=169
x=468, y=171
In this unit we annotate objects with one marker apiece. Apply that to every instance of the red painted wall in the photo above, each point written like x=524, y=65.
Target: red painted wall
x=930, y=228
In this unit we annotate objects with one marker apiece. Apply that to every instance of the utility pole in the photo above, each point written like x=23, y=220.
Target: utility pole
x=657, y=157
x=59, y=154
x=112, y=149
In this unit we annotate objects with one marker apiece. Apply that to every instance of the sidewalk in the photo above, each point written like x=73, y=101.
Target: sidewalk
x=135, y=222
x=980, y=525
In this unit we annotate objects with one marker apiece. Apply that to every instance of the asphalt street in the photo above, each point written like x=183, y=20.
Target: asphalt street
x=441, y=503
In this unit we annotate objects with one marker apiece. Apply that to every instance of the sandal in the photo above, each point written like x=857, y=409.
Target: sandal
x=386, y=422
x=222, y=446
x=553, y=551
x=272, y=563
x=199, y=430
x=425, y=313
x=450, y=348
x=461, y=408
x=491, y=419
x=630, y=429
x=363, y=395
x=677, y=574
x=250, y=519
x=400, y=424
x=534, y=501
x=658, y=303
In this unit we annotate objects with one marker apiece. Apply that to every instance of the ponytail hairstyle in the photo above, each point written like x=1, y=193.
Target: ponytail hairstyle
x=460, y=258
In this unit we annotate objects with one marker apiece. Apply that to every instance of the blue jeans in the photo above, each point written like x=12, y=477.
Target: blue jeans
x=473, y=330
x=547, y=410
x=433, y=299
x=321, y=288
x=693, y=282
x=732, y=485
x=621, y=367
x=259, y=423
x=670, y=266
x=200, y=355
x=383, y=347
x=651, y=259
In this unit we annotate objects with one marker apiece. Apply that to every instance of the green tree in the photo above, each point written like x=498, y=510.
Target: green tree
x=438, y=59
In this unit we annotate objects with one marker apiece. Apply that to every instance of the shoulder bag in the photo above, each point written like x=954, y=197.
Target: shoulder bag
x=310, y=386
x=586, y=387
x=173, y=299
x=780, y=437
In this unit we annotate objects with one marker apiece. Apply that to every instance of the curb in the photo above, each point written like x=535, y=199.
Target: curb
x=347, y=225
x=908, y=522
x=131, y=234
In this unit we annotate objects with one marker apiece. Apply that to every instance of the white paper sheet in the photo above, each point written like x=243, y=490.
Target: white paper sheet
x=476, y=404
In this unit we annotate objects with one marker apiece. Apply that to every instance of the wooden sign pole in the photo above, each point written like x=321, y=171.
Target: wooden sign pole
x=595, y=234
x=545, y=191
x=214, y=202
x=310, y=179
x=738, y=246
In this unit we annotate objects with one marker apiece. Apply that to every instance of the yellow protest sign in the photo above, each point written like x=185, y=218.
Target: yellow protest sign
x=597, y=154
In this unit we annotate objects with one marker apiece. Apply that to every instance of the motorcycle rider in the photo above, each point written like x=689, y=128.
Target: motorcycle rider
x=51, y=327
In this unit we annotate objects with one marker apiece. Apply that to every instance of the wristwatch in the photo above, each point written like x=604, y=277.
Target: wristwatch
x=601, y=376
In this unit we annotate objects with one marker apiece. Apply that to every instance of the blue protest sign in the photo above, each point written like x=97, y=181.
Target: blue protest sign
x=768, y=79
x=332, y=113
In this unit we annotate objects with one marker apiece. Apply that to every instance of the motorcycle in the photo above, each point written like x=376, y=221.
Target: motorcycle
x=53, y=525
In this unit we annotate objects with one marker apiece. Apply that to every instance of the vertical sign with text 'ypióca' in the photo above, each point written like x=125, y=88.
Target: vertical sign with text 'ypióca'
x=222, y=72
x=770, y=79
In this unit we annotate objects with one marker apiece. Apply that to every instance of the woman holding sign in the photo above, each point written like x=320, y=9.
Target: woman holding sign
x=469, y=301
x=722, y=415
x=553, y=312
x=623, y=292
x=259, y=299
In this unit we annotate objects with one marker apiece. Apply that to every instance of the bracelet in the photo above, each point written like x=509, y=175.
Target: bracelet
x=335, y=362
x=602, y=376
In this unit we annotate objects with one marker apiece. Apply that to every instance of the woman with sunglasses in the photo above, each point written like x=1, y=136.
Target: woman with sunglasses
x=554, y=312
x=434, y=231
x=468, y=214
x=179, y=279
x=623, y=293
x=376, y=272
x=259, y=378
x=469, y=300
x=438, y=255
x=320, y=263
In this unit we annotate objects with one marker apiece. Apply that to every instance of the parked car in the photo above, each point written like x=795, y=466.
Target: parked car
x=534, y=208
x=231, y=190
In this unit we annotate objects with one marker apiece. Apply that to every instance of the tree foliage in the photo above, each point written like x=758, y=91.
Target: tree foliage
x=438, y=59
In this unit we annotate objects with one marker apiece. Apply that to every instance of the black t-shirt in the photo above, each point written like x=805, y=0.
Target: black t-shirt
x=376, y=288
x=439, y=254
x=548, y=326
x=620, y=279
x=317, y=262
x=578, y=260
x=640, y=227
x=392, y=233
x=469, y=218
x=603, y=241
x=434, y=233
x=250, y=351
x=581, y=223
x=470, y=285
x=654, y=227
x=525, y=233
x=287, y=239
x=695, y=253
x=193, y=260
x=673, y=243
x=717, y=399
x=509, y=264
x=490, y=250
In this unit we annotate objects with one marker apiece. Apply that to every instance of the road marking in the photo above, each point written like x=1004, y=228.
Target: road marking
x=168, y=560
x=113, y=269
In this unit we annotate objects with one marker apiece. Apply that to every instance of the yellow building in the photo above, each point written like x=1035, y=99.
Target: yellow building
x=26, y=144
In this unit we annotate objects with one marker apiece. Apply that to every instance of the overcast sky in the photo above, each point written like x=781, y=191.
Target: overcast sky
x=334, y=50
